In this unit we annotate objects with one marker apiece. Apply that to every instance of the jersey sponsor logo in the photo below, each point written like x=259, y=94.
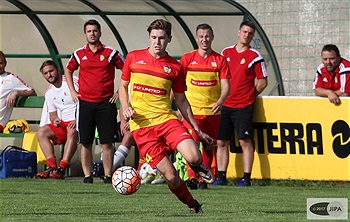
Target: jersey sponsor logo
x=141, y=62
x=203, y=82
x=214, y=64
x=242, y=61
x=167, y=69
x=84, y=58
x=194, y=63
x=149, y=89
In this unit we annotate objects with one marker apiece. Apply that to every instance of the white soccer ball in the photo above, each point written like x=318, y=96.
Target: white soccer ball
x=126, y=180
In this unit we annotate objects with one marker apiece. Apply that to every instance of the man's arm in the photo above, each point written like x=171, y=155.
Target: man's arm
x=184, y=106
x=13, y=96
x=127, y=111
x=225, y=90
x=260, y=86
x=69, y=78
x=327, y=93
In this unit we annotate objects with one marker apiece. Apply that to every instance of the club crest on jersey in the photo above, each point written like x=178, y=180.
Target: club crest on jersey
x=242, y=61
x=167, y=69
x=214, y=64
x=65, y=93
x=102, y=58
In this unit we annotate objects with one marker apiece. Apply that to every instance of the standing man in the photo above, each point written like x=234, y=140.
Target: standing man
x=11, y=86
x=246, y=65
x=333, y=75
x=61, y=128
x=207, y=80
x=96, y=96
x=152, y=74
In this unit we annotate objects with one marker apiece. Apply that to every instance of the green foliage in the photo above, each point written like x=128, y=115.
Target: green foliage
x=71, y=200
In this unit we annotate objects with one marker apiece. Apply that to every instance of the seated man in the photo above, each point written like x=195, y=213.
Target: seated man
x=11, y=87
x=333, y=75
x=58, y=130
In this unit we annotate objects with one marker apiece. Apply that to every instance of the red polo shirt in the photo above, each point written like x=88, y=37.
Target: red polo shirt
x=97, y=71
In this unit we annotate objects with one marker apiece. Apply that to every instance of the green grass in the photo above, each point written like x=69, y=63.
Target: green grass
x=71, y=200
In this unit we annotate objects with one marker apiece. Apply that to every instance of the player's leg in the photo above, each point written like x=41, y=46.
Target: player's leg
x=245, y=131
x=70, y=138
x=86, y=126
x=123, y=149
x=106, y=120
x=225, y=131
x=45, y=136
x=177, y=186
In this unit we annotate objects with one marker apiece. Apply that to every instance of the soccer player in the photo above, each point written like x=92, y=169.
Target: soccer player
x=207, y=79
x=61, y=128
x=151, y=74
x=332, y=78
x=96, y=96
x=246, y=65
x=11, y=86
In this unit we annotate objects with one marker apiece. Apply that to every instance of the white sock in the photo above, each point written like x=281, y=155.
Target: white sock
x=119, y=155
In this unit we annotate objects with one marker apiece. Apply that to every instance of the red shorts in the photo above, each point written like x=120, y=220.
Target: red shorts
x=156, y=142
x=208, y=124
x=60, y=132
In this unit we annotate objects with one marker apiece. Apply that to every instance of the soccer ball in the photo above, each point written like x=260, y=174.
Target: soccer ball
x=126, y=180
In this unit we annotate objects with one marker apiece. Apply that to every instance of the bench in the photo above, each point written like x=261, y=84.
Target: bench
x=28, y=108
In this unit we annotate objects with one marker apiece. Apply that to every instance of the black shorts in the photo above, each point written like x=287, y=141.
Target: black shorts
x=239, y=119
x=102, y=115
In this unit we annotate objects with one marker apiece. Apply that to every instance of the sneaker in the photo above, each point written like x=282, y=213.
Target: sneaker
x=158, y=179
x=57, y=174
x=45, y=174
x=202, y=185
x=88, y=179
x=197, y=209
x=219, y=182
x=97, y=169
x=243, y=183
x=107, y=179
x=148, y=179
x=206, y=174
x=192, y=183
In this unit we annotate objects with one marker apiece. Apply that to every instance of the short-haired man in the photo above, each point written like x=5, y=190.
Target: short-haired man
x=332, y=78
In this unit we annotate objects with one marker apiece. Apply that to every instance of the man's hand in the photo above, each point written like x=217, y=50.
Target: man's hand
x=56, y=122
x=114, y=98
x=75, y=96
x=333, y=98
x=205, y=137
x=71, y=125
x=12, y=99
x=128, y=113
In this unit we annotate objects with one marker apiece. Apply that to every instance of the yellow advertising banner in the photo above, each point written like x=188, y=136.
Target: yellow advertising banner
x=305, y=138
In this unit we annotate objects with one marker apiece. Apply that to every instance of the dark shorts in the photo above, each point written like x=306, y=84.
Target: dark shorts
x=239, y=119
x=102, y=115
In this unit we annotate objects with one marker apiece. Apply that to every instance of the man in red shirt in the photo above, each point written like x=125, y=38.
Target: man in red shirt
x=151, y=74
x=246, y=65
x=96, y=96
x=332, y=76
x=208, y=85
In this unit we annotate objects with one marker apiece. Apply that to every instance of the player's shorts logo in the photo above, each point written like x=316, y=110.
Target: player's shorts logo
x=341, y=135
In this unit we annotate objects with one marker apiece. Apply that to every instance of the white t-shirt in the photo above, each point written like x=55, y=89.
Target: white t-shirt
x=60, y=100
x=9, y=83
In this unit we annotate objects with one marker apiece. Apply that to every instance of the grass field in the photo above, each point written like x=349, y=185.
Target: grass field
x=71, y=200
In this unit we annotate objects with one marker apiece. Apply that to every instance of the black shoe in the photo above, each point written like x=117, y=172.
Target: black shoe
x=88, y=179
x=197, y=209
x=107, y=179
x=192, y=183
x=203, y=185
